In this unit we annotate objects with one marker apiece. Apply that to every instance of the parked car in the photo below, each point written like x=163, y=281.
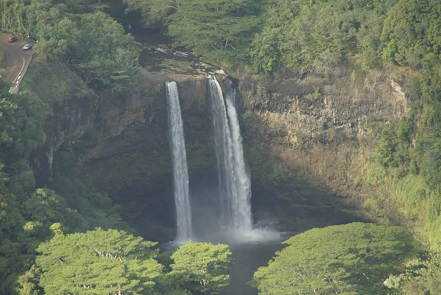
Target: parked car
x=12, y=39
x=27, y=46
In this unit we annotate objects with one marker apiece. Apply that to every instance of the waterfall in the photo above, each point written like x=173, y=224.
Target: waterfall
x=179, y=159
x=234, y=181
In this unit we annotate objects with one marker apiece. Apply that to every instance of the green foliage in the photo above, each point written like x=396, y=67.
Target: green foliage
x=28, y=282
x=409, y=151
x=419, y=277
x=84, y=209
x=412, y=31
x=431, y=164
x=201, y=268
x=13, y=17
x=15, y=246
x=393, y=149
x=21, y=120
x=319, y=33
x=151, y=12
x=115, y=262
x=104, y=53
x=218, y=29
x=97, y=262
x=79, y=33
x=345, y=259
x=45, y=207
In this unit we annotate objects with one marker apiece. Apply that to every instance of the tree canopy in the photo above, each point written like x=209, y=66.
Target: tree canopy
x=202, y=268
x=411, y=33
x=98, y=262
x=217, y=29
x=343, y=259
x=79, y=33
x=313, y=33
x=268, y=35
x=115, y=262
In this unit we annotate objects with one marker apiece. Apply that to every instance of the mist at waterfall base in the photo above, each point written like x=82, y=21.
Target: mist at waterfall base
x=217, y=208
x=222, y=211
x=223, y=214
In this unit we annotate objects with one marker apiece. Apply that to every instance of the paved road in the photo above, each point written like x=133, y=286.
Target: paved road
x=15, y=56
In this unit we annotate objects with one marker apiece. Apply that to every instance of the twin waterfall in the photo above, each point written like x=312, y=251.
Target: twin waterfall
x=179, y=159
x=234, y=182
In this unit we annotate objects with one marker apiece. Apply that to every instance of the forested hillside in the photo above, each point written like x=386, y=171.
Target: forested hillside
x=50, y=234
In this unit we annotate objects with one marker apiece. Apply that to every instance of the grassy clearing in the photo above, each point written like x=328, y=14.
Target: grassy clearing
x=415, y=201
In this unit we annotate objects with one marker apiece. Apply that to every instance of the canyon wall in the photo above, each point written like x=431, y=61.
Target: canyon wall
x=304, y=134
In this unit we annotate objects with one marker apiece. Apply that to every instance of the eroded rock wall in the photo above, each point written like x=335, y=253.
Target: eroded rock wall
x=315, y=125
x=322, y=123
x=130, y=157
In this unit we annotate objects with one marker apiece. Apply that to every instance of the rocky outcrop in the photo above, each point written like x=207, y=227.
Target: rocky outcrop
x=299, y=110
x=312, y=122
x=322, y=126
x=129, y=159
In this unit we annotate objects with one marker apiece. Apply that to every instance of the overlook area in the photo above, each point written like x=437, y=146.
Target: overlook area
x=309, y=130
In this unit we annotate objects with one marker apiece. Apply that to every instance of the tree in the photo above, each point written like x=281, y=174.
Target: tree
x=319, y=33
x=344, y=259
x=412, y=31
x=13, y=17
x=104, y=54
x=98, y=262
x=15, y=246
x=151, y=12
x=90, y=41
x=21, y=121
x=421, y=276
x=202, y=268
x=214, y=28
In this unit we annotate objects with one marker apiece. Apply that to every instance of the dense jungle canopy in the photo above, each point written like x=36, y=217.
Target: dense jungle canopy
x=49, y=234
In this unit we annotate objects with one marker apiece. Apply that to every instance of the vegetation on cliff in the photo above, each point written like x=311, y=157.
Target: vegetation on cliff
x=219, y=29
x=80, y=34
x=269, y=36
x=362, y=36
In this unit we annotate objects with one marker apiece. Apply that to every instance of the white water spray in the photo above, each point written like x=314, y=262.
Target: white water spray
x=179, y=158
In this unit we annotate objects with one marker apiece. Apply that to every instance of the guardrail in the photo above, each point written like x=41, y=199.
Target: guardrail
x=16, y=84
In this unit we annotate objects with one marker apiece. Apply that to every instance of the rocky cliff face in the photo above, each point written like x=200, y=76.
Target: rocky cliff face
x=126, y=154
x=312, y=124
x=324, y=123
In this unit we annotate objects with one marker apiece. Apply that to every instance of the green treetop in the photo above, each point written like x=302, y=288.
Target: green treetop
x=202, y=268
x=346, y=259
x=98, y=262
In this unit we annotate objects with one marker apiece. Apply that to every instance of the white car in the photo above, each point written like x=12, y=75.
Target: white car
x=27, y=46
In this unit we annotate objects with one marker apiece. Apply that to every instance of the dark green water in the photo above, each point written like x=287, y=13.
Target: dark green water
x=247, y=258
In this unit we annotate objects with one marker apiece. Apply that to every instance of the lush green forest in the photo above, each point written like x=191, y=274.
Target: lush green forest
x=346, y=259
x=50, y=235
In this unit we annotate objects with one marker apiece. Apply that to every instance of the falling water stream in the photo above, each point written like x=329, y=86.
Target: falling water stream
x=179, y=158
x=251, y=247
x=220, y=214
x=234, y=181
